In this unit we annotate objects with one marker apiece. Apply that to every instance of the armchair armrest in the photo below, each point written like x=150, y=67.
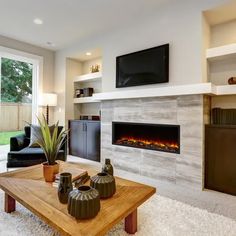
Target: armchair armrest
x=18, y=142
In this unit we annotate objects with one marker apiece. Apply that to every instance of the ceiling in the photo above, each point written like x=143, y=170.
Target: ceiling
x=67, y=22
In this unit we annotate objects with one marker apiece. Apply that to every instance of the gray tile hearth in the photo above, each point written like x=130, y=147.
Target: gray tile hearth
x=179, y=169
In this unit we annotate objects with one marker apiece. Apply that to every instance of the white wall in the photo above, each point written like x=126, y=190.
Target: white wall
x=206, y=37
x=228, y=101
x=73, y=68
x=222, y=34
x=178, y=23
x=60, y=87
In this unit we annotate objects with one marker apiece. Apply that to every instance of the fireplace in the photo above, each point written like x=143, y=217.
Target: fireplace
x=158, y=137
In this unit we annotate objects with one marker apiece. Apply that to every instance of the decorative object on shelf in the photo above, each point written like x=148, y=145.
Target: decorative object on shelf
x=88, y=92
x=95, y=68
x=232, y=80
x=223, y=116
x=79, y=93
x=65, y=187
x=89, y=117
x=51, y=144
x=107, y=167
x=84, y=202
x=48, y=100
x=104, y=183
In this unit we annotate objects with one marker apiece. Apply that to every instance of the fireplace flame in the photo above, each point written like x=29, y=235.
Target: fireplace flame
x=152, y=144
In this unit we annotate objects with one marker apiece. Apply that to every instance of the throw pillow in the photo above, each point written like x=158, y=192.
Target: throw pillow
x=36, y=135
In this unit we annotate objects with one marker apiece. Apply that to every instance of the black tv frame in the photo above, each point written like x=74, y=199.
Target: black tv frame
x=148, y=49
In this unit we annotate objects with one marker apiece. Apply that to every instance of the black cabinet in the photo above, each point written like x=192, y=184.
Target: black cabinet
x=84, y=140
x=220, y=158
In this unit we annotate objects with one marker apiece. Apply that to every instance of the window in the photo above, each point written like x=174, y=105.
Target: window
x=19, y=89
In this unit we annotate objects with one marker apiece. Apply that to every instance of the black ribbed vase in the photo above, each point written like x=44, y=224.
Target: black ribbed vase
x=65, y=187
x=84, y=202
x=104, y=183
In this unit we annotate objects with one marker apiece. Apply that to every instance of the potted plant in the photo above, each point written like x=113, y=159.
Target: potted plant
x=50, y=141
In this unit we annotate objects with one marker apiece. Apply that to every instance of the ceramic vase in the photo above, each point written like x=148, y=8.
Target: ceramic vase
x=84, y=202
x=65, y=187
x=107, y=167
x=104, y=183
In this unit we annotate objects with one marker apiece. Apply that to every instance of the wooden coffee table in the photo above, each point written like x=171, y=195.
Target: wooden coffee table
x=28, y=188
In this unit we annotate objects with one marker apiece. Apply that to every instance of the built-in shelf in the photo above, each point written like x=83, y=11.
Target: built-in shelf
x=89, y=77
x=86, y=100
x=226, y=90
x=222, y=52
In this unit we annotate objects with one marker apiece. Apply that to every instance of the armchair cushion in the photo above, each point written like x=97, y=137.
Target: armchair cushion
x=27, y=131
x=18, y=142
x=29, y=156
x=36, y=135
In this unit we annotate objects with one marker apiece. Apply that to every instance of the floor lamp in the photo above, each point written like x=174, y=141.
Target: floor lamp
x=48, y=100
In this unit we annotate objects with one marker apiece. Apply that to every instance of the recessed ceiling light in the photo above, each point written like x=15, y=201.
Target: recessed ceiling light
x=51, y=44
x=38, y=21
x=88, y=53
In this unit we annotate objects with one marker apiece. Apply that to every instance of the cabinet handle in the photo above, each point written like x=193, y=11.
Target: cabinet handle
x=85, y=127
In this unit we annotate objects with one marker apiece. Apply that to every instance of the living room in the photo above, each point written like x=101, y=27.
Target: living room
x=169, y=137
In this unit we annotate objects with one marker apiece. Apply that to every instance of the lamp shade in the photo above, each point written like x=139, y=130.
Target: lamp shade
x=48, y=99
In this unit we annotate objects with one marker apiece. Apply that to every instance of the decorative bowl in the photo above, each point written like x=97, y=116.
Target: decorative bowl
x=104, y=183
x=84, y=202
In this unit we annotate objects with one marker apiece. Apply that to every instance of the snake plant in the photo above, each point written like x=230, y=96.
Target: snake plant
x=51, y=141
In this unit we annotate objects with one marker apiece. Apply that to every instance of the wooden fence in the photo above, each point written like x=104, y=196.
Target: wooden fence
x=14, y=115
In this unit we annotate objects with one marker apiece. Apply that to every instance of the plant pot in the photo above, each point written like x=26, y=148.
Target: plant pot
x=65, y=187
x=104, y=183
x=56, y=168
x=84, y=202
x=48, y=172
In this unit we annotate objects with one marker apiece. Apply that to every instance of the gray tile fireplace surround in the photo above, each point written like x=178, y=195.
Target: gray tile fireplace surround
x=184, y=169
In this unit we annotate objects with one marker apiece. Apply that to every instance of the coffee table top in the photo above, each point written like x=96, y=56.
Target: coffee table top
x=28, y=188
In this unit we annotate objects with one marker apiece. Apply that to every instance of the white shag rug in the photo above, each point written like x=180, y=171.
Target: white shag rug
x=159, y=216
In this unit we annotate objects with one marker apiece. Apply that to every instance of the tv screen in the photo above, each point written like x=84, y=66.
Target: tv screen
x=144, y=67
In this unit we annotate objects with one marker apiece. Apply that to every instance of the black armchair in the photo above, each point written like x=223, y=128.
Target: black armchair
x=21, y=155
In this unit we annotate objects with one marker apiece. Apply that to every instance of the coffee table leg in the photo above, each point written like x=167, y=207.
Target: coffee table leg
x=10, y=203
x=131, y=223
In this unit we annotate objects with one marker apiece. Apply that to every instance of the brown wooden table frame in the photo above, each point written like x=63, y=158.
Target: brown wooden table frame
x=131, y=221
x=17, y=183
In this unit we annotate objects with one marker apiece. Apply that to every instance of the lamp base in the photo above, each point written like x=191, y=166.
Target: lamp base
x=47, y=114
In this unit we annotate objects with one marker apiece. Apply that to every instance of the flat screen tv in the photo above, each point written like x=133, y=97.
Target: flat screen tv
x=150, y=66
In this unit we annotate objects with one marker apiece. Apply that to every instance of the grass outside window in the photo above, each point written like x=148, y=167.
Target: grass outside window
x=5, y=136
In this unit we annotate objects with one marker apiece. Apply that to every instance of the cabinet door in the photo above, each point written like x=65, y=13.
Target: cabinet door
x=77, y=140
x=220, y=159
x=93, y=140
